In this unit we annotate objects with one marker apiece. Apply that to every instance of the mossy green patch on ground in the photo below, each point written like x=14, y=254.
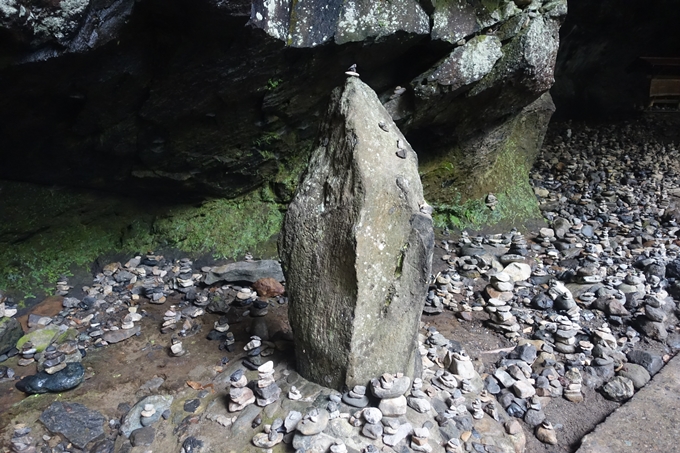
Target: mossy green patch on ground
x=225, y=228
x=47, y=233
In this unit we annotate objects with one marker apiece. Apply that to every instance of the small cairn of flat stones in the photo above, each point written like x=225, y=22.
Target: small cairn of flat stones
x=356, y=397
x=272, y=435
x=27, y=352
x=185, y=278
x=147, y=415
x=574, y=385
x=254, y=349
x=170, y=319
x=419, y=440
x=418, y=400
x=21, y=440
x=294, y=394
x=565, y=334
x=267, y=391
x=53, y=360
x=501, y=318
x=240, y=395
x=176, y=347
x=391, y=389
x=130, y=319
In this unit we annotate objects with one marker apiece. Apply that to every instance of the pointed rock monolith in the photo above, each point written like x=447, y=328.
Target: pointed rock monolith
x=357, y=247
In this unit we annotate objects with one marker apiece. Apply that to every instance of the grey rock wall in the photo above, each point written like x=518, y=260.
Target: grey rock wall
x=216, y=97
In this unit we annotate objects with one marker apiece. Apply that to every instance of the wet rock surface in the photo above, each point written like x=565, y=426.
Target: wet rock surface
x=66, y=379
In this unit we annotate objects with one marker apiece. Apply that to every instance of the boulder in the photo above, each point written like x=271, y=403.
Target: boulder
x=356, y=248
x=10, y=332
x=41, y=338
x=65, y=379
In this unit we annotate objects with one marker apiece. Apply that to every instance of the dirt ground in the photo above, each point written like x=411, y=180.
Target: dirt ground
x=115, y=373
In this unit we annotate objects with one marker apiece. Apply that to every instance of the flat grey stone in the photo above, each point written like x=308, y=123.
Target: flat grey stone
x=245, y=419
x=393, y=407
x=399, y=387
x=652, y=362
x=309, y=427
x=419, y=404
x=372, y=430
x=116, y=336
x=319, y=443
x=636, y=373
x=74, y=421
x=245, y=271
x=402, y=431
x=143, y=436
x=618, y=389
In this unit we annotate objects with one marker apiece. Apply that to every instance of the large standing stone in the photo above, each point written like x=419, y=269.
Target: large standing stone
x=356, y=248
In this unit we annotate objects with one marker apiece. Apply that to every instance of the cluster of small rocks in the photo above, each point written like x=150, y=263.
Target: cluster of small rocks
x=21, y=441
x=582, y=292
x=580, y=299
x=113, y=306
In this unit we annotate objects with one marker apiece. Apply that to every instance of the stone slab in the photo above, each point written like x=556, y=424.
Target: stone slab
x=647, y=422
x=76, y=422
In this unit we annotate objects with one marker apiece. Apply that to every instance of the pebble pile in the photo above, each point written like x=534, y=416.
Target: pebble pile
x=578, y=295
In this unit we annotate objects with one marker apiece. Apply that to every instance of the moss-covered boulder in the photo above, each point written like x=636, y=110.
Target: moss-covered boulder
x=41, y=338
x=484, y=180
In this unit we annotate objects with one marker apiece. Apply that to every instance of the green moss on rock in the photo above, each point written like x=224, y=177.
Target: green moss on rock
x=225, y=228
x=47, y=233
x=496, y=162
x=40, y=338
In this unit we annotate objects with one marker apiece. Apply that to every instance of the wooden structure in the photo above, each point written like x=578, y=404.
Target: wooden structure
x=664, y=86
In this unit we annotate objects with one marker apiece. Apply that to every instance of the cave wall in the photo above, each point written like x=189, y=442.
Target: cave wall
x=598, y=71
x=217, y=97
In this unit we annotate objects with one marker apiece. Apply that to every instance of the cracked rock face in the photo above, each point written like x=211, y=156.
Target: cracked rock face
x=356, y=248
x=221, y=98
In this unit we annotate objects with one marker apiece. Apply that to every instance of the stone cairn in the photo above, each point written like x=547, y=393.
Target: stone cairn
x=267, y=391
x=27, y=352
x=21, y=440
x=240, y=396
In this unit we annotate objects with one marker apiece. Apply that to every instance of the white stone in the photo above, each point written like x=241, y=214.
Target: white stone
x=523, y=389
x=518, y=271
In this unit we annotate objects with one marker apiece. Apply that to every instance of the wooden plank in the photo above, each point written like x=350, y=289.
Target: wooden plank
x=664, y=87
